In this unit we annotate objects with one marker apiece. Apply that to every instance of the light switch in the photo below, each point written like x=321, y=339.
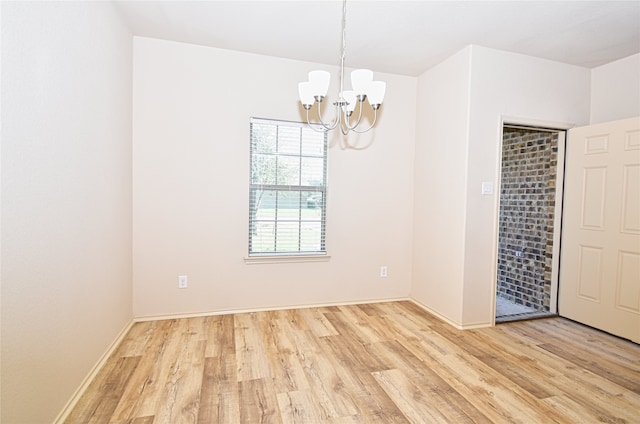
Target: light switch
x=487, y=188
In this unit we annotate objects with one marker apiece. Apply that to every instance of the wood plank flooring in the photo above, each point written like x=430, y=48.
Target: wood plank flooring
x=375, y=363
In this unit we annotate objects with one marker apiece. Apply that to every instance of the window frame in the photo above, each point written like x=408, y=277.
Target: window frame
x=300, y=254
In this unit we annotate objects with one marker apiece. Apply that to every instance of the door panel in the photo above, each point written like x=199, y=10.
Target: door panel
x=600, y=258
x=630, y=207
x=594, y=182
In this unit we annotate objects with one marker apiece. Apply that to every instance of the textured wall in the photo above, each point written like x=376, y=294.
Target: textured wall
x=66, y=199
x=527, y=202
x=614, y=90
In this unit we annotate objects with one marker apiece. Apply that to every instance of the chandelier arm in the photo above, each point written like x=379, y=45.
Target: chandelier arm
x=313, y=127
x=331, y=126
x=344, y=130
x=375, y=118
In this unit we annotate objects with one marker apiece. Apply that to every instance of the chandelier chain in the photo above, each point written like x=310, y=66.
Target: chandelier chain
x=344, y=45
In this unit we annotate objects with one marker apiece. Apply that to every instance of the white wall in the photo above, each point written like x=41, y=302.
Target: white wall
x=192, y=106
x=442, y=121
x=615, y=90
x=506, y=85
x=461, y=105
x=66, y=199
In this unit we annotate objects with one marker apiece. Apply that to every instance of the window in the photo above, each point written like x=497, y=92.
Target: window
x=287, y=193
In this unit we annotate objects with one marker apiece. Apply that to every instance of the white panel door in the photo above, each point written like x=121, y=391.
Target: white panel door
x=600, y=255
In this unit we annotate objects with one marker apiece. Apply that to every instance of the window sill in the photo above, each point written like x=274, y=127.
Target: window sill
x=276, y=259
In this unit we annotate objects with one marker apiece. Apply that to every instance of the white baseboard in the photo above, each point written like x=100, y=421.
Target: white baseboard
x=313, y=305
x=449, y=321
x=265, y=309
x=477, y=325
x=436, y=314
x=64, y=414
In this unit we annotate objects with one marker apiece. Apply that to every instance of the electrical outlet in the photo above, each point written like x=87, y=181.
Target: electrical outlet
x=383, y=272
x=182, y=281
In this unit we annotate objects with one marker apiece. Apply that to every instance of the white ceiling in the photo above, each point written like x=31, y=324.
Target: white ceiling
x=401, y=37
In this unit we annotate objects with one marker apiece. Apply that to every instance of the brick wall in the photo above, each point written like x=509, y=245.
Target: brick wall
x=527, y=204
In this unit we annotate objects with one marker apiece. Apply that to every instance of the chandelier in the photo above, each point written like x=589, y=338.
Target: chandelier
x=363, y=88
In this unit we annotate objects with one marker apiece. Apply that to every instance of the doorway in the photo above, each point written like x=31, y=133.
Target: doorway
x=528, y=230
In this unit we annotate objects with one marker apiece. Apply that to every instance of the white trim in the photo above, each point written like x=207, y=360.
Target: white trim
x=557, y=221
x=264, y=309
x=64, y=414
x=279, y=259
x=537, y=123
x=436, y=314
x=449, y=321
x=476, y=325
x=299, y=124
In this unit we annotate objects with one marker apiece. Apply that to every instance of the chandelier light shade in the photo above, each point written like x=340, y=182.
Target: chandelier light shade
x=363, y=87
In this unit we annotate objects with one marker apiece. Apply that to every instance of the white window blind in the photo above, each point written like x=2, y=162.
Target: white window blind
x=288, y=187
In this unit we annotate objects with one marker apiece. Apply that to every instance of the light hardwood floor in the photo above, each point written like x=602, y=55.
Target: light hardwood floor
x=375, y=363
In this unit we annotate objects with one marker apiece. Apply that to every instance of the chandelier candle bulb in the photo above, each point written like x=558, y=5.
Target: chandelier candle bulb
x=376, y=93
x=360, y=81
x=319, y=81
x=306, y=94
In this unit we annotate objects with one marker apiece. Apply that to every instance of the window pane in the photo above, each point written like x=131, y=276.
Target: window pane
x=263, y=238
x=312, y=171
x=263, y=138
x=288, y=207
x=312, y=204
x=288, y=170
x=263, y=204
x=263, y=169
x=287, y=236
x=289, y=140
x=311, y=237
x=314, y=142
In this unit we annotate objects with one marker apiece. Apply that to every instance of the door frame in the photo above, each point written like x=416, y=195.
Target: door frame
x=551, y=126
